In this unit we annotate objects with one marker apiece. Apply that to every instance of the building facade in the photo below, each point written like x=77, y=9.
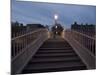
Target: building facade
x=85, y=29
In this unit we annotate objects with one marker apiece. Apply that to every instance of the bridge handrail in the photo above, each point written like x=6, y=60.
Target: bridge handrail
x=25, y=40
x=85, y=40
x=84, y=35
x=24, y=50
x=26, y=34
x=83, y=45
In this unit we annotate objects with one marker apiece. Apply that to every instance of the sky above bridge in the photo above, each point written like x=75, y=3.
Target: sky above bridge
x=43, y=13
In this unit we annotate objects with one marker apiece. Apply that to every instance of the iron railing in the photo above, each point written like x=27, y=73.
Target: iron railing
x=83, y=39
x=22, y=41
x=24, y=47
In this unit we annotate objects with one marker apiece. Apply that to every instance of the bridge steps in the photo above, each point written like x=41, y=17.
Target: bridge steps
x=54, y=55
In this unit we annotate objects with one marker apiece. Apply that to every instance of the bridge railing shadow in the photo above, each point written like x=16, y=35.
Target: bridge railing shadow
x=84, y=45
x=23, y=47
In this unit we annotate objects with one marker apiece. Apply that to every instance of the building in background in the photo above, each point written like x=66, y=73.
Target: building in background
x=32, y=27
x=88, y=29
x=18, y=29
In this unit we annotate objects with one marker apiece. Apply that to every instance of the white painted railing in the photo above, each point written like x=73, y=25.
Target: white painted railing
x=83, y=39
x=84, y=46
x=24, y=47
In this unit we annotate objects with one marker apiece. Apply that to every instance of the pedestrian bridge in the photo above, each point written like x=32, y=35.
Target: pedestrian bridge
x=37, y=51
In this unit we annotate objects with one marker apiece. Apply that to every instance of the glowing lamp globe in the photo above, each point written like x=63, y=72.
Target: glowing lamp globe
x=55, y=16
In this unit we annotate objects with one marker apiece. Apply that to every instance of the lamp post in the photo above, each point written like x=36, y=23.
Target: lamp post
x=55, y=18
x=55, y=27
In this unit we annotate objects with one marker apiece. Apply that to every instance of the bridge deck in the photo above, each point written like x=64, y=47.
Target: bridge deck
x=54, y=55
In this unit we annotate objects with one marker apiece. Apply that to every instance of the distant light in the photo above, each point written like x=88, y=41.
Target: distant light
x=56, y=32
x=56, y=27
x=55, y=16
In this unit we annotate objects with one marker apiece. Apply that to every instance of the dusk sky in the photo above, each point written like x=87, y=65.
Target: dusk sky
x=43, y=13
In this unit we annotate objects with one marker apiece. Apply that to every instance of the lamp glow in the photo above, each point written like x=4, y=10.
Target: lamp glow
x=55, y=16
x=56, y=27
x=56, y=32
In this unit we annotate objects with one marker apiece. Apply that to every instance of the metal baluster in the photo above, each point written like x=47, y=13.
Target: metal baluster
x=79, y=39
x=25, y=41
x=94, y=49
x=92, y=46
x=88, y=43
x=17, y=48
x=22, y=43
x=13, y=48
x=84, y=41
x=16, y=34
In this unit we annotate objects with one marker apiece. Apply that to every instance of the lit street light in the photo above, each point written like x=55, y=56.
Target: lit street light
x=56, y=32
x=56, y=27
x=55, y=16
